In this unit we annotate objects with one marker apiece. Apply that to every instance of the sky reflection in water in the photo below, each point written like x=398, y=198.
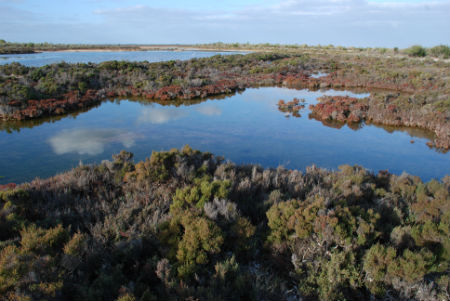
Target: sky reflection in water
x=89, y=141
x=244, y=128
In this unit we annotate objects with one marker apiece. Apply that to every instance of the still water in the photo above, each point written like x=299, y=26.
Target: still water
x=45, y=58
x=245, y=128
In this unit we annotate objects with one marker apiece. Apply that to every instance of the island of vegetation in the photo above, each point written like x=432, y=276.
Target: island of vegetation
x=186, y=225
x=292, y=107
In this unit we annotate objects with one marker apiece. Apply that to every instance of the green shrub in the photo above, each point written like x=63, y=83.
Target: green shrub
x=376, y=262
x=11, y=268
x=416, y=50
x=440, y=51
x=337, y=273
x=412, y=266
x=204, y=190
x=43, y=241
x=75, y=245
x=201, y=238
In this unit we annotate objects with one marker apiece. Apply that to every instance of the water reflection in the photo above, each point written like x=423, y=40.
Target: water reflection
x=210, y=110
x=411, y=131
x=12, y=126
x=338, y=124
x=160, y=115
x=319, y=75
x=89, y=141
x=245, y=127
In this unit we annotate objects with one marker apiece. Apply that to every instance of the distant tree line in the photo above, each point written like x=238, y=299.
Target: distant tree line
x=440, y=51
x=15, y=48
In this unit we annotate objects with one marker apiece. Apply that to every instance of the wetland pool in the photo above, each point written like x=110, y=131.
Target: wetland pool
x=245, y=127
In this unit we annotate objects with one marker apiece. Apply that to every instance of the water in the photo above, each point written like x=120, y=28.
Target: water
x=319, y=75
x=45, y=58
x=244, y=128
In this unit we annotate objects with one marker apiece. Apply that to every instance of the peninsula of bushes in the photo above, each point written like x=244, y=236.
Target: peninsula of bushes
x=186, y=225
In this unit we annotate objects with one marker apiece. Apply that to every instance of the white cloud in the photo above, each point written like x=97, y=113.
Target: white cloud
x=119, y=10
x=316, y=8
x=407, y=5
x=215, y=17
x=89, y=141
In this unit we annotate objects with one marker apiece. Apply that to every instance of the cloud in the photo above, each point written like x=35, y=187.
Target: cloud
x=316, y=8
x=339, y=22
x=89, y=141
x=210, y=110
x=160, y=116
x=406, y=4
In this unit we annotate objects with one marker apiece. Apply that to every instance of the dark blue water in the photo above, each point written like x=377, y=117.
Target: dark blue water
x=45, y=58
x=244, y=128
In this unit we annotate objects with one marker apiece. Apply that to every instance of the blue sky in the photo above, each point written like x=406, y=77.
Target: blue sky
x=381, y=23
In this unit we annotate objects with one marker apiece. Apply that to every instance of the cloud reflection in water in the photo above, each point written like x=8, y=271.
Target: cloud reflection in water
x=160, y=116
x=210, y=110
x=89, y=141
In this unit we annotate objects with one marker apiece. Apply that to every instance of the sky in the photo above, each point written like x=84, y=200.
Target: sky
x=361, y=23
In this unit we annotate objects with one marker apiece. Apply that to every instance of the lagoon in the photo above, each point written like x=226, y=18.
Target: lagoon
x=246, y=127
